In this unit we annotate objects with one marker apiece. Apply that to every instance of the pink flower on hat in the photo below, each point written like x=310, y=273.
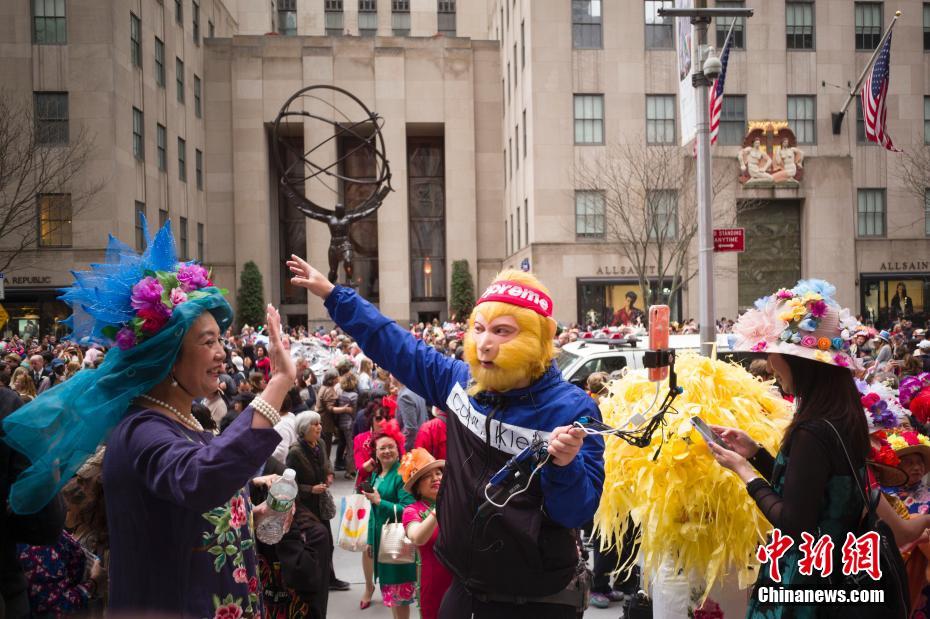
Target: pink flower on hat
x=841, y=361
x=809, y=341
x=818, y=309
x=193, y=277
x=126, y=338
x=784, y=293
x=760, y=346
x=146, y=294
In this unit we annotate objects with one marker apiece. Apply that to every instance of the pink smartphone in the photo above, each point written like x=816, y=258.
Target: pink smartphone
x=658, y=337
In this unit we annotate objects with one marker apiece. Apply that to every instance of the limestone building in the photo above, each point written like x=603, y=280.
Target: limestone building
x=490, y=110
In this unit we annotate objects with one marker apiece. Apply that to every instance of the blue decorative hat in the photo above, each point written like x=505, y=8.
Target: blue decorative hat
x=144, y=304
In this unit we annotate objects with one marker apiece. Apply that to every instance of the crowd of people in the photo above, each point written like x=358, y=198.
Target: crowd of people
x=178, y=430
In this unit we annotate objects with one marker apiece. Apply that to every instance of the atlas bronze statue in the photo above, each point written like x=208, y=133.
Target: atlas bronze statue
x=367, y=135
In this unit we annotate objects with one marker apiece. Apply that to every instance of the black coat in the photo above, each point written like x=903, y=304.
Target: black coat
x=39, y=529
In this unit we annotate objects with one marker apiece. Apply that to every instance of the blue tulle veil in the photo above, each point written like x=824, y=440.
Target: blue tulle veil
x=63, y=427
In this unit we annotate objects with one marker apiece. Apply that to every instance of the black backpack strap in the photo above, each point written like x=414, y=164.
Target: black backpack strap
x=871, y=503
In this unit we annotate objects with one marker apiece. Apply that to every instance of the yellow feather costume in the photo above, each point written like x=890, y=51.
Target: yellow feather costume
x=691, y=510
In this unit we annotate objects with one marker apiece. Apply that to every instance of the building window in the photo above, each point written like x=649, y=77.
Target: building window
x=506, y=238
x=662, y=206
x=522, y=44
x=586, y=24
x=198, y=112
x=660, y=31
x=200, y=243
x=732, y=120
x=159, y=62
x=871, y=212
x=55, y=220
x=860, y=124
x=179, y=11
x=162, y=218
x=927, y=212
x=400, y=17
x=868, y=25
x=49, y=26
x=161, y=142
x=427, y=218
x=926, y=120
x=589, y=119
x=287, y=17
x=179, y=78
x=515, y=65
x=140, y=231
x=512, y=249
x=660, y=119
x=135, y=40
x=198, y=168
x=195, y=16
x=505, y=166
x=526, y=220
x=510, y=159
x=51, y=117
x=516, y=137
x=138, y=134
x=589, y=214
x=926, y=26
x=802, y=118
x=519, y=230
x=182, y=160
x=799, y=24
x=182, y=237
x=211, y=28
x=723, y=25
x=524, y=134
x=334, y=17
x=367, y=18
x=446, y=17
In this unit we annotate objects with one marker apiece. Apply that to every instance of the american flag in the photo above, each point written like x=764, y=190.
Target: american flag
x=716, y=93
x=874, y=97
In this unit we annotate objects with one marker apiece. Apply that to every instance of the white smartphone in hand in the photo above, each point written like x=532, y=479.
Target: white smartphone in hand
x=706, y=433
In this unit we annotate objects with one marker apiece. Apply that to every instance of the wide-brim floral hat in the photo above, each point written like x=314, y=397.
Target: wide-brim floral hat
x=804, y=321
x=911, y=442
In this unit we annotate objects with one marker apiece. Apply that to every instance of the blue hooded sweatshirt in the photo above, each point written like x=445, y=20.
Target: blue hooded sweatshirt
x=527, y=549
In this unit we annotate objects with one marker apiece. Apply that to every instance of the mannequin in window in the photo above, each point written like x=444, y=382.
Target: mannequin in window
x=902, y=306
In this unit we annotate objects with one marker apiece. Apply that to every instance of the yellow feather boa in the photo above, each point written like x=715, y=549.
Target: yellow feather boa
x=691, y=510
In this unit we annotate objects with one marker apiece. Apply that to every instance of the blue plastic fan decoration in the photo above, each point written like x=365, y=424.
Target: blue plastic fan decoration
x=100, y=298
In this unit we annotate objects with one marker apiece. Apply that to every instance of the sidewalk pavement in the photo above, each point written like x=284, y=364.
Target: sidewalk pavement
x=348, y=567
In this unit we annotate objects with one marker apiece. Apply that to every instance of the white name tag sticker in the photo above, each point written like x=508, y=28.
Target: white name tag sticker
x=504, y=436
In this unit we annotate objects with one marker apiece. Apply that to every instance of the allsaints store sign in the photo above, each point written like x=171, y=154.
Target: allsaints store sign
x=908, y=266
x=623, y=270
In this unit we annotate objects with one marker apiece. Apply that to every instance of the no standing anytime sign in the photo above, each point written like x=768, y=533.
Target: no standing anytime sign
x=730, y=239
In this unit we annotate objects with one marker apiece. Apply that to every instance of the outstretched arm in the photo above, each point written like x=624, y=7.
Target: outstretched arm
x=305, y=206
x=418, y=366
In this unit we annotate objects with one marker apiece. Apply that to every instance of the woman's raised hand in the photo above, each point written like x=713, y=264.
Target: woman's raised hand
x=279, y=350
x=307, y=277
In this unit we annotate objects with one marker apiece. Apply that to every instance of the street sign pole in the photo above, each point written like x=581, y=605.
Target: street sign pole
x=700, y=17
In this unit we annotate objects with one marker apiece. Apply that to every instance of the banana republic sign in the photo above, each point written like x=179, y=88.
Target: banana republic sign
x=909, y=266
x=28, y=280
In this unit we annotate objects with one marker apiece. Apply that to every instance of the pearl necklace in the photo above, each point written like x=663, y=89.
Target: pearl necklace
x=186, y=419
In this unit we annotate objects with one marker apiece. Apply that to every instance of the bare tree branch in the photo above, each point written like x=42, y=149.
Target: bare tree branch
x=651, y=210
x=30, y=168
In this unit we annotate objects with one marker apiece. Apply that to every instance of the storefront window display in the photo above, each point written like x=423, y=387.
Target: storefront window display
x=35, y=318
x=619, y=302
x=888, y=298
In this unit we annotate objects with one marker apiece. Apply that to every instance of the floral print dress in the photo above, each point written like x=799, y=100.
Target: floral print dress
x=180, y=518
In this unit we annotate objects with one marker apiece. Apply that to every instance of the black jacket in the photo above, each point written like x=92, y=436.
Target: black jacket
x=39, y=529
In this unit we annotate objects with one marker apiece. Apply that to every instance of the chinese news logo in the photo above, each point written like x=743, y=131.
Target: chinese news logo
x=859, y=554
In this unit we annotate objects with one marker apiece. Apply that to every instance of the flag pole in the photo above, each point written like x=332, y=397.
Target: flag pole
x=838, y=117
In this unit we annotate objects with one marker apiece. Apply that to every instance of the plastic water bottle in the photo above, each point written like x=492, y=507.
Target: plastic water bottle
x=280, y=499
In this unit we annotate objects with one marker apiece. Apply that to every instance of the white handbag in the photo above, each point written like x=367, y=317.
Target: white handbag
x=396, y=548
